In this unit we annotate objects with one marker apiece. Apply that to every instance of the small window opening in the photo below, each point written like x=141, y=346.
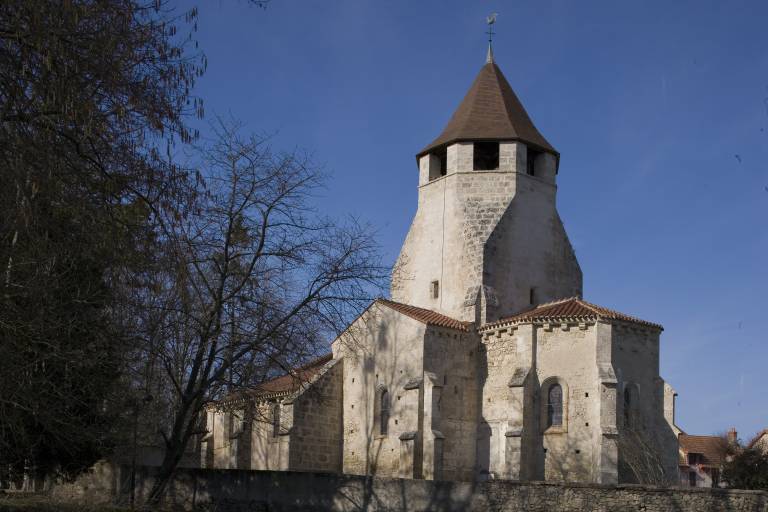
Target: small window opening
x=384, y=415
x=555, y=406
x=442, y=158
x=434, y=289
x=486, y=156
x=631, y=408
x=532, y=296
x=275, y=420
x=438, y=163
x=627, y=407
x=530, y=161
x=692, y=479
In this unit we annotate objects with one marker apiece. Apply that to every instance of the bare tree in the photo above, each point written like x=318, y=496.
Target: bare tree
x=252, y=280
x=642, y=458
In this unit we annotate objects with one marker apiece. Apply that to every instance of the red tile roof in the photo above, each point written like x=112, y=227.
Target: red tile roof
x=292, y=381
x=574, y=309
x=285, y=384
x=426, y=316
x=713, y=448
x=490, y=111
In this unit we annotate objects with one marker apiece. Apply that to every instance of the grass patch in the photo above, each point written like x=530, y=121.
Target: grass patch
x=38, y=503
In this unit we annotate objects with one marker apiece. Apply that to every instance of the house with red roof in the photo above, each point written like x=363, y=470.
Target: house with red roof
x=760, y=441
x=702, y=458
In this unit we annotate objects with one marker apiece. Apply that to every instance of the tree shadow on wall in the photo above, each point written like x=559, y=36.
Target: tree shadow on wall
x=379, y=337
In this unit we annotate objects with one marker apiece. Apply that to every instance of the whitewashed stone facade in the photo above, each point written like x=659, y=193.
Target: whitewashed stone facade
x=487, y=363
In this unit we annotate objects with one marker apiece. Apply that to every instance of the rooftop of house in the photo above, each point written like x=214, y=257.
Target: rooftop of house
x=711, y=448
x=758, y=438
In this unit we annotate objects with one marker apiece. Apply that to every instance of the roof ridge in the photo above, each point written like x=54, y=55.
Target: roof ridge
x=557, y=301
x=569, y=307
x=592, y=307
x=426, y=316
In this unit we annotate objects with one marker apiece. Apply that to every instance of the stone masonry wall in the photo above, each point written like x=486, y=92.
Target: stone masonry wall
x=383, y=349
x=487, y=238
x=236, y=490
x=316, y=435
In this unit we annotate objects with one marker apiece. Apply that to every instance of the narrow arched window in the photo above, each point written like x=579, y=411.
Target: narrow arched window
x=632, y=418
x=384, y=412
x=275, y=420
x=555, y=406
x=628, y=407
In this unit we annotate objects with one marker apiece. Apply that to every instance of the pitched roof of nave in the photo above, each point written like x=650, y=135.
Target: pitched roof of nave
x=713, y=448
x=426, y=316
x=284, y=384
x=292, y=381
x=490, y=111
x=574, y=309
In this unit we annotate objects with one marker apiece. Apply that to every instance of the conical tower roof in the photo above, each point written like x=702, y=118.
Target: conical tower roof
x=490, y=111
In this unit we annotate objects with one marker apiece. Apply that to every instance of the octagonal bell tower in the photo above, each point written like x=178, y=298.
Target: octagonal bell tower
x=486, y=241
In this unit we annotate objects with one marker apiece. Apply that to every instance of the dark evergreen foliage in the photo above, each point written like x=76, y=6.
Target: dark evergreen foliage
x=92, y=93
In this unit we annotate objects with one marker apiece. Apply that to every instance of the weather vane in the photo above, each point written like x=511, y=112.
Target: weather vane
x=490, y=20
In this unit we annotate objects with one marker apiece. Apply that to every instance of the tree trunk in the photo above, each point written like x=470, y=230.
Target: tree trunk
x=174, y=450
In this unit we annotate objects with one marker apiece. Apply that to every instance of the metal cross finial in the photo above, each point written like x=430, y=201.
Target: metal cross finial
x=490, y=20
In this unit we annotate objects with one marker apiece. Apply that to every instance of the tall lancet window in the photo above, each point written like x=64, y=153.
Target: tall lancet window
x=555, y=406
x=631, y=403
x=384, y=412
x=275, y=420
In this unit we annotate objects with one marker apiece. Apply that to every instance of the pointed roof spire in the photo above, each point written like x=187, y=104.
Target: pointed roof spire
x=490, y=111
x=490, y=20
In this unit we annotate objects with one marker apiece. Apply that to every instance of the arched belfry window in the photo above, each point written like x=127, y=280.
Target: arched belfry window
x=555, y=406
x=383, y=412
x=486, y=156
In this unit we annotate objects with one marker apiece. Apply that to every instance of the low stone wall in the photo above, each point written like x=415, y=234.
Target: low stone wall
x=274, y=491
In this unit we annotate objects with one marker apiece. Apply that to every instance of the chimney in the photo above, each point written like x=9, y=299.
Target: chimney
x=732, y=437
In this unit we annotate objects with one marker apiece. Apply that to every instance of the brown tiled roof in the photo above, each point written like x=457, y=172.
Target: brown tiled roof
x=426, y=316
x=490, y=111
x=572, y=308
x=285, y=384
x=713, y=448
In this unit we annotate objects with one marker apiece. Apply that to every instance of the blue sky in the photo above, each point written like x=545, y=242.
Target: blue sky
x=659, y=110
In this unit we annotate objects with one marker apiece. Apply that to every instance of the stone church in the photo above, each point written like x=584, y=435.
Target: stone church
x=486, y=362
